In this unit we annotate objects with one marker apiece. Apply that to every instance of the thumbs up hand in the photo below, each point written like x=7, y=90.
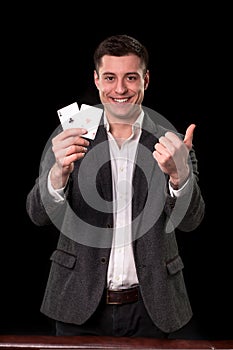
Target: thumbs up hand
x=171, y=153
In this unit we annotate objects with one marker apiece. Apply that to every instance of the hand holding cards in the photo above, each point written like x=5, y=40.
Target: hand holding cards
x=88, y=117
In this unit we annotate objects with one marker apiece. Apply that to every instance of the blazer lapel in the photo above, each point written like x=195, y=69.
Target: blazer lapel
x=101, y=159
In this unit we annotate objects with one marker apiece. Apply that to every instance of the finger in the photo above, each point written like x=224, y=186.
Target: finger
x=67, y=160
x=161, y=149
x=188, y=139
x=172, y=138
x=81, y=141
x=75, y=149
x=169, y=142
x=71, y=132
x=68, y=142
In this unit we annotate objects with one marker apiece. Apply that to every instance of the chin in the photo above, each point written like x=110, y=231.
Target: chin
x=122, y=110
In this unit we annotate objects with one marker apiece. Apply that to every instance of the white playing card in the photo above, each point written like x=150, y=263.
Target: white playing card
x=88, y=117
x=67, y=112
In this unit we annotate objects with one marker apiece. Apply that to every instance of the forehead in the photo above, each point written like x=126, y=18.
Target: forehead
x=120, y=65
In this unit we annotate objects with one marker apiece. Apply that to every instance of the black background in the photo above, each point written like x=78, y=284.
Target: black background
x=48, y=65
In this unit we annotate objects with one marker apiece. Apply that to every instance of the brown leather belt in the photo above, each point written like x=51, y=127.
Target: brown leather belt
x=122, y=296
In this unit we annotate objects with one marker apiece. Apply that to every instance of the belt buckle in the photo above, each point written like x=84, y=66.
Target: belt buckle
x=112, y=302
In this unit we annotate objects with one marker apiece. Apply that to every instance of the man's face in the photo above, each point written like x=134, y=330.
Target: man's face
x=121, y=83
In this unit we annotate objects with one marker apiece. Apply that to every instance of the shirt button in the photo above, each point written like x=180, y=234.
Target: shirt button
x=103, y=260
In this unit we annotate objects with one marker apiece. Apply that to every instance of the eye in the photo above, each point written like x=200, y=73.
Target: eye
x=132, y=77
x=109, y=78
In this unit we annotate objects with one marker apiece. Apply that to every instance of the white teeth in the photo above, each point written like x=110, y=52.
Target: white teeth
x=120, y=101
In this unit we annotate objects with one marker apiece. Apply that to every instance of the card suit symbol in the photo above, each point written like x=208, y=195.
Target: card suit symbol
x=71, y=120
x=88, y=120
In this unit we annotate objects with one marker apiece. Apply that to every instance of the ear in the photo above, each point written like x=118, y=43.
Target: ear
x=146, y=79
x=96, y=79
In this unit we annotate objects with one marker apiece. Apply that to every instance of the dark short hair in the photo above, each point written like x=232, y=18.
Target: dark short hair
x=120, y=45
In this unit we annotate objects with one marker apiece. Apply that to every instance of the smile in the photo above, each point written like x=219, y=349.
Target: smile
x=120, y=100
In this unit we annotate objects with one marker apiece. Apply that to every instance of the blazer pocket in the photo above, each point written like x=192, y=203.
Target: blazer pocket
x=175, y=265
x=63, y=258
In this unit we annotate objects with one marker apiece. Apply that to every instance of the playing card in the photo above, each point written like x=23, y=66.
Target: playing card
x=67, y=112
x=88, y=117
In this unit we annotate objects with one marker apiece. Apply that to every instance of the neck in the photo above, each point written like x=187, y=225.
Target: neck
x=120, y=131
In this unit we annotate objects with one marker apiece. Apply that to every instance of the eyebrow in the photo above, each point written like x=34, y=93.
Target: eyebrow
x=128, y=73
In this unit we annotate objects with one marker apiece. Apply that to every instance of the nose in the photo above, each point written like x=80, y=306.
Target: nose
x=121, y=87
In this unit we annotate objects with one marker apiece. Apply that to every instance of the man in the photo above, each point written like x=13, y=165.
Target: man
x=117, y=201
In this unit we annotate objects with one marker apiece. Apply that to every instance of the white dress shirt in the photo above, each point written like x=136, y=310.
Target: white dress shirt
x=122, y=271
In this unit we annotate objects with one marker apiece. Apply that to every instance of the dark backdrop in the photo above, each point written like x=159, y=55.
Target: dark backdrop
x=48, y=66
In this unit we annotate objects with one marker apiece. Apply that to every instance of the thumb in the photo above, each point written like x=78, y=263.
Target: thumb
x=188, y=138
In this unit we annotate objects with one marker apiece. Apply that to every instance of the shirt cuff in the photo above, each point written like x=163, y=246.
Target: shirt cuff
x=58, y=194
x=184, y=189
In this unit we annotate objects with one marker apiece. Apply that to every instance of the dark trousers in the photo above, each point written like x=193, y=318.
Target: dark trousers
x=125, y=320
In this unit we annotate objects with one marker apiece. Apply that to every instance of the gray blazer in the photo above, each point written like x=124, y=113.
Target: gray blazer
x=79, y=264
